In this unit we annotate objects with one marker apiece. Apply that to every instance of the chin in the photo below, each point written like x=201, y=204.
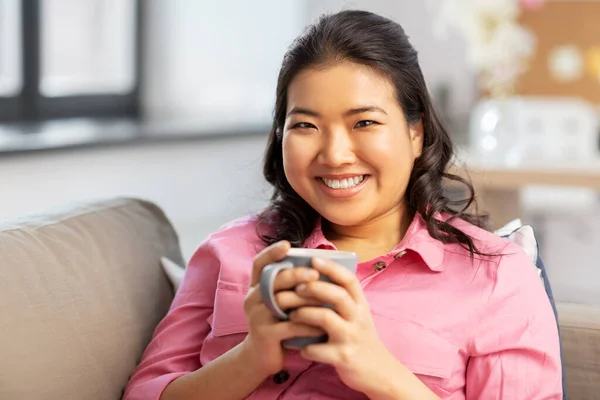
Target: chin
x=342, y=216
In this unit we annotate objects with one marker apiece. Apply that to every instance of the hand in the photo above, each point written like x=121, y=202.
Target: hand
x=263, y=342
x=353, y=348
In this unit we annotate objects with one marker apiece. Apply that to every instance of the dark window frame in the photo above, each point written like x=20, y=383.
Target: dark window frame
x=30, y=105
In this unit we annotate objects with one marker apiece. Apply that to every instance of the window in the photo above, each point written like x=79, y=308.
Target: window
x=69, y=58
x=10, y=58
x=10, y=53
x=87, y=47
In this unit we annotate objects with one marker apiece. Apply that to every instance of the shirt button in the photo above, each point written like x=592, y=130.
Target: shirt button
x=281, y=377
x=399, y=254
x=379, y=266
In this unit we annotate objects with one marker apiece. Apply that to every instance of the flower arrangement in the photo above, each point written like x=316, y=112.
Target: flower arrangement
x=498, y=47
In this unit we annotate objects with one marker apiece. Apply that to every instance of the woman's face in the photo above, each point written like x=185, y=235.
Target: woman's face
x=347, y=149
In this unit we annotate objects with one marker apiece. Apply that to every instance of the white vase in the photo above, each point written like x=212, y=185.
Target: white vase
x=492, y=131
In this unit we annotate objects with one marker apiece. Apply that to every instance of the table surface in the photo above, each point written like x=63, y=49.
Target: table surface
x=581, y=174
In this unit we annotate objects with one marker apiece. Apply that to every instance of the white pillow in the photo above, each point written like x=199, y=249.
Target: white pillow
x=175, y=272
x=522, y=235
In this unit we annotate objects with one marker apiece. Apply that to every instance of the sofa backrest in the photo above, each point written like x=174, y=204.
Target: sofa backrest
x=81, y=291
x=580, y=337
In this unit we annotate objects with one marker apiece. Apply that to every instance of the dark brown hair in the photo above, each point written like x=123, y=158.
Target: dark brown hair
x=368, y=39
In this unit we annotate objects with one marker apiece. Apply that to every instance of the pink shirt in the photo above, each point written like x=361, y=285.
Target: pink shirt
x=481, y=330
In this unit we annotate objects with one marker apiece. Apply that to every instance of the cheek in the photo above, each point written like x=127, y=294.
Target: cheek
x=391, y=156
x=295, y=161
x=392, y=159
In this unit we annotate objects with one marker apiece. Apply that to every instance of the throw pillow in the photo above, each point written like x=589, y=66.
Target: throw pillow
x=174, y=272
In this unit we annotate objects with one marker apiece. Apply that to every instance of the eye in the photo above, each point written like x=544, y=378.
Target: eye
x=364, y=123
x=303, y=125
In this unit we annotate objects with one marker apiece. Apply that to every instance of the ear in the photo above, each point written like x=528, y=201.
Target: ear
x=416, y=133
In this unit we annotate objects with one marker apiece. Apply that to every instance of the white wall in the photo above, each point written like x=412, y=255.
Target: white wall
x=217, y=61
x=200, y=185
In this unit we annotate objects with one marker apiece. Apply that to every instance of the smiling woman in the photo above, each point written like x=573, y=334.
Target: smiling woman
x=437, y=306
x=359, y=111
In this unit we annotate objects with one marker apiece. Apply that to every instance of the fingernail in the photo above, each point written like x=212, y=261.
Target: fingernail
x=318, y=261
x=301, y=288
x=310, y=274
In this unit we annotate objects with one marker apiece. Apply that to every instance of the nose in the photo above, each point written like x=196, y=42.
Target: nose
x=337, y=149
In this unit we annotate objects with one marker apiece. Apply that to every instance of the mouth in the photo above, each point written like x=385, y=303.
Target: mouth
x=343, y=183
x=342, y=186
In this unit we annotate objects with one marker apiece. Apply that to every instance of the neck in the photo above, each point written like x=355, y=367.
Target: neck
x=373, y=237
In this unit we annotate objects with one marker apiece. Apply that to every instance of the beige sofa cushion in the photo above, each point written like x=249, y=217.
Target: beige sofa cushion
x=580, y=337
x=81, y=291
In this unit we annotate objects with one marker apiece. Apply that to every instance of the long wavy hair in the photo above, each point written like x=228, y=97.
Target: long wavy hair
x=368, y=39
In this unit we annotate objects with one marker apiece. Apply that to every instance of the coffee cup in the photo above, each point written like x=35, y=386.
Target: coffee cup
x=299, y=257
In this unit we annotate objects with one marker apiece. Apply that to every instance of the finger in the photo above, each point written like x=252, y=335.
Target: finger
x=253, y=298
x=321, y=317
x=261, y=319
x=339, y=275
x=271, y=254
x=324, y=353
x=288, y=299
x=290, y=278
x=288, y=330
x=267, y=325
x=329, y=293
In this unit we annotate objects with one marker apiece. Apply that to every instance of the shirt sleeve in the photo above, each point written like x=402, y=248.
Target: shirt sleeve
x=515, y=352
x=175, y=347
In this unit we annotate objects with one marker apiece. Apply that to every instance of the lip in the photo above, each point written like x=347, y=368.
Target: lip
x=342, y=193
x=341, y=176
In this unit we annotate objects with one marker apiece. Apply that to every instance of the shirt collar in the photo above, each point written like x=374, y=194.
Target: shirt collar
x=416, y=239
x=317, y=240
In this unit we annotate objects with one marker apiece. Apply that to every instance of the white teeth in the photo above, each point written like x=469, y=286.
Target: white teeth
x=343, y=183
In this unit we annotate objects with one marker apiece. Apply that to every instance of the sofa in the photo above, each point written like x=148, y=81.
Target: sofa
x=82, y=289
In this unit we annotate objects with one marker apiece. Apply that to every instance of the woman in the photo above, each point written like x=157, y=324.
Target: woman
x=439, y=308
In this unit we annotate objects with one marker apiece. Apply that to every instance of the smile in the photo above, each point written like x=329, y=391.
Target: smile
x=343, y=183
x=342, y=186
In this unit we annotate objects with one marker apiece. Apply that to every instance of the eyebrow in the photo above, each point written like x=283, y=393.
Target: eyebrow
x=352, y=111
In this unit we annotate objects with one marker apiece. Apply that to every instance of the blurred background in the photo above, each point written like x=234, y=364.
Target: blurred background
x=171, y=100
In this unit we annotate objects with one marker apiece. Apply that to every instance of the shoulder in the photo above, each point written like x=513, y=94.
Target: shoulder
x=507, y=264
x=502, y=259
x=506, y=279
x=486, y=242
x=232, y=249
x=239, y=235
x=240, y=228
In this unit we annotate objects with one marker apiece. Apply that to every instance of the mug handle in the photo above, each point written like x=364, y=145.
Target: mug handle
x=267, y=280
